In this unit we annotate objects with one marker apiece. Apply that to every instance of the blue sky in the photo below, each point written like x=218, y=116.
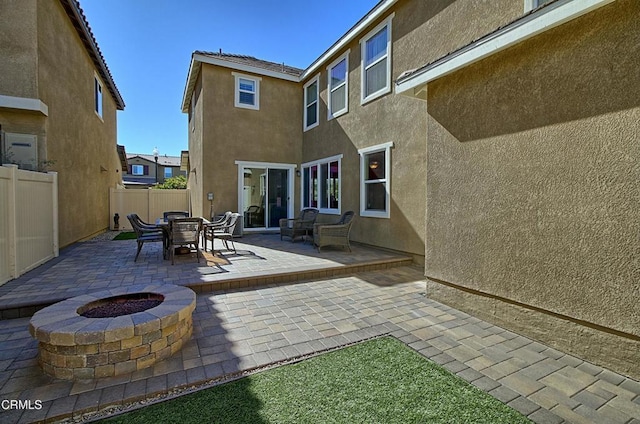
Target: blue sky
x=147, y=45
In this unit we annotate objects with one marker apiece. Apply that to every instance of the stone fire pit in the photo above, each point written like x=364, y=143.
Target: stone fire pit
x=73, y=346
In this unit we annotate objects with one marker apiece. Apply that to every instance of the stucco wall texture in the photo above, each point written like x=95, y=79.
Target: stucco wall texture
x=18, y=48
x=271, y=134
x=532, y=179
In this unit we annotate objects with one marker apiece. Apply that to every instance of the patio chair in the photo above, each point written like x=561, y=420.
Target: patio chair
x=334, y=234
x=301, y=226
x=214, y=224
x=175, y=214
x=184, y=232
x=143, y=224
x=146, y=233
x=225, y=232
x=254, y=216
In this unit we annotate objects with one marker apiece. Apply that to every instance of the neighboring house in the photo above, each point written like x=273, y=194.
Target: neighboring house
x=141, y=170
x=58, y=106
x=495, y=141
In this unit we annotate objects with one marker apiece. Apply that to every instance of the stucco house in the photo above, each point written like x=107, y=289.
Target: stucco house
x=142, y=170
x=58, y=104
x=495, y=142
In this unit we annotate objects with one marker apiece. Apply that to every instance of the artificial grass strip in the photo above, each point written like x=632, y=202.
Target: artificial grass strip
x=379, y=381
x=125, y=235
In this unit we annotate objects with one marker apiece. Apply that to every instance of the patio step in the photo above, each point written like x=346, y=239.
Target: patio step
x=291, y=275
x=240, y=280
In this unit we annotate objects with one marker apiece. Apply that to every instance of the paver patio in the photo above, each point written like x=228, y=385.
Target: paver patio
x=262, y=321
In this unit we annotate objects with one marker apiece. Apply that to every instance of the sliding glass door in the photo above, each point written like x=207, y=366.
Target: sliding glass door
x=265, y=194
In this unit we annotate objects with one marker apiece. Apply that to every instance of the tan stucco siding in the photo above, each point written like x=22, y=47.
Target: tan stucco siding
x=81, y=144
x=270, y=134
x=18, y=49
x=195, y=173
x=532, y=172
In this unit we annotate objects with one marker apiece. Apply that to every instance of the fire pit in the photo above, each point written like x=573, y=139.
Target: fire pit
x=113, y=332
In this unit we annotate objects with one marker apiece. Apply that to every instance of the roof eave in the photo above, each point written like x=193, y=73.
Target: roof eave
x=541, y=20
x=197, y=59
x=79, y=21
x=380, y=9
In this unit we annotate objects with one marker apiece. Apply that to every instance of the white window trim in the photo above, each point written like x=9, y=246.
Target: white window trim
x=236, y=90
x=137, y=174
x=331, y=114
x=336, y=158
x=316, y=80
x=384, y=147
x=98, y=109
x=363, y=51
x=288, y=166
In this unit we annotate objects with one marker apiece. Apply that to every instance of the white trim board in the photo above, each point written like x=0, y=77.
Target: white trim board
x=546, y=18
x=24, y=103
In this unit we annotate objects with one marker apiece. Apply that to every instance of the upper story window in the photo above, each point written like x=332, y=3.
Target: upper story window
x=376, y=61
x=247, y=91
x=311, y=109
x=137, y=170
x=375, y=180
x=321, y=185
x=338, y=86
x=97, y=96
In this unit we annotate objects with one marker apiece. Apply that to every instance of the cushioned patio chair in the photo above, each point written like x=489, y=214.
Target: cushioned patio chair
x=298, y=227
x=144, y=232
x=184, y=232
x=334, y=234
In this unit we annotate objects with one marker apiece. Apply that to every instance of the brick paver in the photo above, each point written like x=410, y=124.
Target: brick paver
x=238, y=330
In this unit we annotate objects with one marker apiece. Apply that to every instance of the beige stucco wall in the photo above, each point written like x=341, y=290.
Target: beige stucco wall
x=194, y=175
x=271, y=134
x=532, y=186
x=81, y=144
x=18, y=67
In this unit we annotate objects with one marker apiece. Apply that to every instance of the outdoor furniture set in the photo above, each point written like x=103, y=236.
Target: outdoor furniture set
x=322, y=234
x=177, y=230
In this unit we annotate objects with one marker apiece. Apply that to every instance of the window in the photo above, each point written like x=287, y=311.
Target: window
x=376, y=62
x=338, y=87
x=168, y=172
x=311, y=110
x=97, y=96
x=247, y=91
x=321, y=185
x=375, y=180
x=137, y=170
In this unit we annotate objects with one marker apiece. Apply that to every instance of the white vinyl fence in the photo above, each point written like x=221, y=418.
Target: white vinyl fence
x=149, y=204
x=28, y=220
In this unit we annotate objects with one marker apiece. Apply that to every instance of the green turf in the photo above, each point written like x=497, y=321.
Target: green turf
x=379, y=381
x=126, y=235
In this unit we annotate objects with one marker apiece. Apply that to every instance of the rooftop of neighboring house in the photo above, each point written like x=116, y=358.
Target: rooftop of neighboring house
x=163, y=160
x=80, y=23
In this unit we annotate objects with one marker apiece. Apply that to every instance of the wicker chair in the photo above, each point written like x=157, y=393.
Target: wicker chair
x=300, y=226
x=184, y=232
x=334, y=234
x=144, y=232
